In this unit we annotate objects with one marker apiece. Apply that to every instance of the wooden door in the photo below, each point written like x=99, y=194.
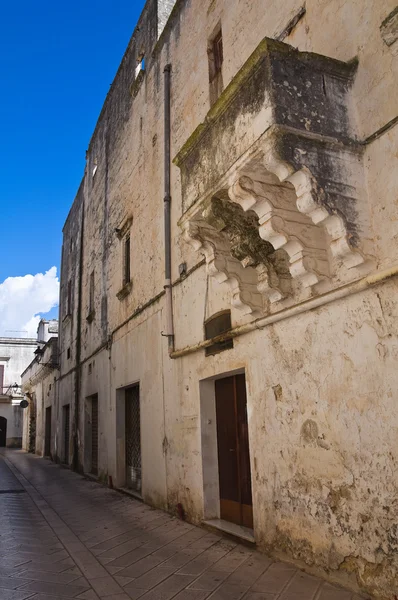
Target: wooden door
x=236, y=503
x=66, y=433
x=94, y=435
x=3, y=432
x=133, y=439
x=47, y=434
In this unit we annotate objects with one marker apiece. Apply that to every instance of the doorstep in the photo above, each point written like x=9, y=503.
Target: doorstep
x=238, y=531
x=129, y=492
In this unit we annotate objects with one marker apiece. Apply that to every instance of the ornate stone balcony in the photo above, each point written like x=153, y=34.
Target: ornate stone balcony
x=272, y=181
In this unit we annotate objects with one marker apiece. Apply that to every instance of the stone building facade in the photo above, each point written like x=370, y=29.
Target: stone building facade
x=253, y=380
x=39, y=386
x=15, y=354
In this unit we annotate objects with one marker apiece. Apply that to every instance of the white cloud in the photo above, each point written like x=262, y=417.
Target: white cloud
x=24, y=299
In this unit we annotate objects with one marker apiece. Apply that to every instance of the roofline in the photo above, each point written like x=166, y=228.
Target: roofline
x=18, y=341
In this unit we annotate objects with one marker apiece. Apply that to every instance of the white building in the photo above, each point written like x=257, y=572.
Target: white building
x=39, y=387
x=15, y=354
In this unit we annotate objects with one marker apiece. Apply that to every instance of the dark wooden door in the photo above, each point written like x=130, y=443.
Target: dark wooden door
x=236, y=503
x=133, y=439
x=47, y=433
x=94, y=435
x=66, y=433
x=3, y=432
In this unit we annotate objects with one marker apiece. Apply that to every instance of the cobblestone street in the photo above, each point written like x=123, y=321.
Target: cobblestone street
x=65, y=537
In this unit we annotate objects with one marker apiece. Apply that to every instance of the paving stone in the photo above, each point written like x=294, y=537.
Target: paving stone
x=113, y=570
x=19, y=595
x=58, y=567
x=57, y=589
x=259, y=596
x=47, y=597
x=301, y=587
x=140, y=567
x=106, y=586
x=331, y=592
x=169, y=588
x=89, y=595
x=275, y=579
x=11, y=583
x=123, y=581
x=50, y=577
x=152, y=578
x=210, y=580
x=228, y=591
x=191, y=595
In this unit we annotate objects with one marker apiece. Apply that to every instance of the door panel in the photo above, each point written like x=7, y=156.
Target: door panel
x=3, y=432
x=47, y=436
x=94, y=435
x=226, y=440
x=133, y=439
x=66, y=433
x=233, y=451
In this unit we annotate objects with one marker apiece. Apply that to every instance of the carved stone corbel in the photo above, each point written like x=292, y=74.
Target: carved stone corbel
x=333, y=223
x=283, y=226
x=224, y=267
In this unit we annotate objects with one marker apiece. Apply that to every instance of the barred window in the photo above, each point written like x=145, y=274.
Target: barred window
x=216, y=325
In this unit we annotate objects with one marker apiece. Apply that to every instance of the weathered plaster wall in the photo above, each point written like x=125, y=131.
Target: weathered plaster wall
x=14, y=417
x=321, y=386
x=39, y=383
x=15, y=356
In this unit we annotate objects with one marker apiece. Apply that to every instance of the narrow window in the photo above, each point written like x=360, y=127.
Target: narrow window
x=216, y=58
x=126, y=260
x=69, y=299
x=140, y=65
x=91, y=294
x=1, y=378
x=218, y=53
x=216, y=325
x=68, y=353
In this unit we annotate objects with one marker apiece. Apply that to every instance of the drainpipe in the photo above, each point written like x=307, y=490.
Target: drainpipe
x=167, y=208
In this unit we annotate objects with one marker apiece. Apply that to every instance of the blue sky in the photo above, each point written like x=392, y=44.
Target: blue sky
x=57, y=61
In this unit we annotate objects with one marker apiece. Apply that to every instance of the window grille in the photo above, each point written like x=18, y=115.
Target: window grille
x=133, y=439
x=216, y=325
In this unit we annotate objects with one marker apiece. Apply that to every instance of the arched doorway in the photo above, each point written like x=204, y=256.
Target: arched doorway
x=3, y=431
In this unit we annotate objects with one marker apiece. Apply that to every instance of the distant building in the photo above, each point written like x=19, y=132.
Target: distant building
x=15, y=354
x=39, y=386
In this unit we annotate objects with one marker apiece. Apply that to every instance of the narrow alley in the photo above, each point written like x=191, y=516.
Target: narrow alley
x=63, y=536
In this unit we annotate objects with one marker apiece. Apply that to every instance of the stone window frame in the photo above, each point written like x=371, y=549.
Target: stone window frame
x=139, y=74
x=91, y=309
x=215, y=53
x=215, y=321
x=124, y=236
